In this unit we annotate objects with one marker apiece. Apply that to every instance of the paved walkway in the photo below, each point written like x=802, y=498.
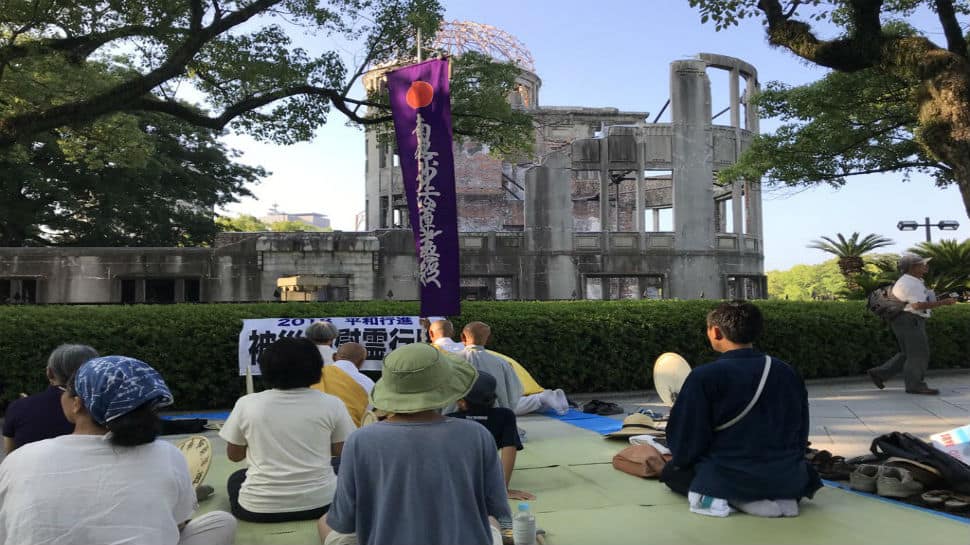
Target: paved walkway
x=847, y=413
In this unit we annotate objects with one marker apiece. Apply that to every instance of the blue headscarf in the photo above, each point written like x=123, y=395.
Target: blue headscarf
x=112, y=386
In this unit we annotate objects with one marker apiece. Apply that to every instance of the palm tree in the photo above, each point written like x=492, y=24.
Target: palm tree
x=950, y=268
x=850, y=252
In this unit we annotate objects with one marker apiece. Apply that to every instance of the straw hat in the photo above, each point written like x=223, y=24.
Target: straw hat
x=198, y=453
x=636, y=424
x=418, y=377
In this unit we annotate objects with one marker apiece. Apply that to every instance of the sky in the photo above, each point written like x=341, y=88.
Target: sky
x=617, y=53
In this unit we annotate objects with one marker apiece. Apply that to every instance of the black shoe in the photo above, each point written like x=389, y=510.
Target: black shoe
x=925, y=390
x=876, y=379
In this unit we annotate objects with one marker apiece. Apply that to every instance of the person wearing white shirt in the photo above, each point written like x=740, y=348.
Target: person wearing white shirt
x=92, y=486
x=910, y=328
x=441, y=333
x=323, y=335
x=349, y=358
x=288, y=435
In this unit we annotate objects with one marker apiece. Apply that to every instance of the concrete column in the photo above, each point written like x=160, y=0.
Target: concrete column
x=604, y=185
x=640, y=223
x=734, y=83
x=692, y=159
x=656, y=220
x=549, y=272
x=753, y=189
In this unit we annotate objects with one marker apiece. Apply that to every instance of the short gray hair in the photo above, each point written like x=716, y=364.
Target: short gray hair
x=66, y=359
x=321, y=332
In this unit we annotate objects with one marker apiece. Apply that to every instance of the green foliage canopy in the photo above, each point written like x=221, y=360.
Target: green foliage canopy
x=238, y=55
x=901, y=101
x=128, y=180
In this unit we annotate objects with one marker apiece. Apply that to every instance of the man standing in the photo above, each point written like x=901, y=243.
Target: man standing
x=910, y=328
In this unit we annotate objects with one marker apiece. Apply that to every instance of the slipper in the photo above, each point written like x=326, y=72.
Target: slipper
x=607, y=409
x=949, y=501
x=835, y=469
x=603, y=408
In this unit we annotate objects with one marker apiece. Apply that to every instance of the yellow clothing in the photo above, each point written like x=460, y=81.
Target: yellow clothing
x=529, y=384
x=338, y=383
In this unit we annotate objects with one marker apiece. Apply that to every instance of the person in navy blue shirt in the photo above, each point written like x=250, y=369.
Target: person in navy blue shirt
x=479, y=405
x=40, y=416
x=760, y=458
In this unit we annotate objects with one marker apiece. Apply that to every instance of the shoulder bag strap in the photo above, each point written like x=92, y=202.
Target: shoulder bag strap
x=757, y=395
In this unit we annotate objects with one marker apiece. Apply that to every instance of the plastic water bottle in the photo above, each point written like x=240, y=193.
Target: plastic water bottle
x=524, y=526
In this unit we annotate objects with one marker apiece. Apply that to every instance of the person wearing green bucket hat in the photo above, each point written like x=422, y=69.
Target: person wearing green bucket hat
x=417, y=476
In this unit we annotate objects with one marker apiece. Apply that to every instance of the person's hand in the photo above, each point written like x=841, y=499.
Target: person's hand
x=520, y=495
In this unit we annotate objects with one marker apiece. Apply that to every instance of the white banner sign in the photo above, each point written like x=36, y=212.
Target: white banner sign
x=379, y=335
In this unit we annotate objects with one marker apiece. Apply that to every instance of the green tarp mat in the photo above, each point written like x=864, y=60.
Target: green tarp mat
x=582, y=500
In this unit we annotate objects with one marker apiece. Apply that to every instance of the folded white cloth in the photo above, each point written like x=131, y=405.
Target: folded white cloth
x=708, y=505
x=649, y=440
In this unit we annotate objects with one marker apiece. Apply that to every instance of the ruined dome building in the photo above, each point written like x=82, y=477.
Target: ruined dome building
x=611, y=206
x=546, y=232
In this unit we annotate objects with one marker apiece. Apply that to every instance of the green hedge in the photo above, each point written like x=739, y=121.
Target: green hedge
x=576, y=345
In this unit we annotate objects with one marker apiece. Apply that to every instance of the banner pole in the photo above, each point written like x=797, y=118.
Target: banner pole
x=249, y=379
x=419, y=45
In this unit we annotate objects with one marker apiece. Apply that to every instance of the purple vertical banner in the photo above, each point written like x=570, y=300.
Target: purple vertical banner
x=421, y=107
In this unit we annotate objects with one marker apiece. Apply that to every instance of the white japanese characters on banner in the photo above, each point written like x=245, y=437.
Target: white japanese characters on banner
x=379, y=335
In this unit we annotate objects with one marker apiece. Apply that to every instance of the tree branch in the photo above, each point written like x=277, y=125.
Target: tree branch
x=955, y=41
x=196, y=117
x=80, y=47
x=892, y=168
x=846, y=54
x=128, y=92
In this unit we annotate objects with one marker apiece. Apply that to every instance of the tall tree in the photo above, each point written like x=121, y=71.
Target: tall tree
x=163, y=194
x=238, y=55
x=850, y=252
x=807, y=282
x=932, y=81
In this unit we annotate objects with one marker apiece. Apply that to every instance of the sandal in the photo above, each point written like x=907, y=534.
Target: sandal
x=602, y=408
x=947, y=500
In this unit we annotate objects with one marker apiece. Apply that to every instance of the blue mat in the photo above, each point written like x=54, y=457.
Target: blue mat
x=215, y=415
x=592, y=422
x=847, y=488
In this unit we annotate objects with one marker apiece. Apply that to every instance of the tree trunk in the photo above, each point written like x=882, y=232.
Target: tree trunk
x=944, y=105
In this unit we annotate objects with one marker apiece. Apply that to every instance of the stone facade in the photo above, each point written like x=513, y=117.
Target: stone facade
x=582, y=220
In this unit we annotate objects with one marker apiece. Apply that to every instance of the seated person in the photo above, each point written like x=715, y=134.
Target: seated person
x=534, y=398
x=350, y=357
x=92, y=486
x=287, y=435
x=508, y=389
x=418, y=477
x=40, y=416
x=478, y=405
x=322, y=334
x=352, y=389
x=757, y=464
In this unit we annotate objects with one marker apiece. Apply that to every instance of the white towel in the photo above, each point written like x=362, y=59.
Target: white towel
x=649, y=440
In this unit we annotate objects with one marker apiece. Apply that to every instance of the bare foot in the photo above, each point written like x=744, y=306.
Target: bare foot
x=520, y=495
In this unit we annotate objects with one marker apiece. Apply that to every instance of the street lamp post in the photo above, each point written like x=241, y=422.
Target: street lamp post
x=943, y=225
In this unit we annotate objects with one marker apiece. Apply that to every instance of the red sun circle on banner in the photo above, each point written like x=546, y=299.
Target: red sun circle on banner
x=419, y=95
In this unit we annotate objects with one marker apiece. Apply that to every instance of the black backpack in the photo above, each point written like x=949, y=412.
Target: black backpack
x=904, y=445
x=884, y=304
